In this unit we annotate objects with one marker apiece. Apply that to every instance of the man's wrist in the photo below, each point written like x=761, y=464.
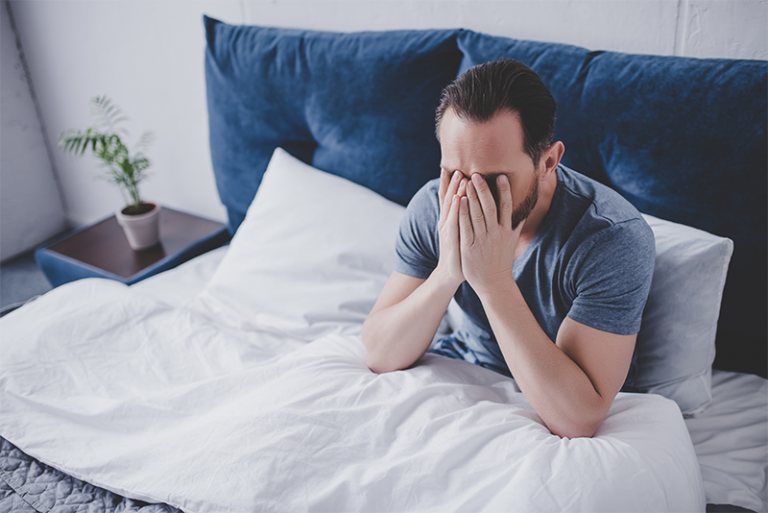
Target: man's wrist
x=493, y=286
x=445, y=279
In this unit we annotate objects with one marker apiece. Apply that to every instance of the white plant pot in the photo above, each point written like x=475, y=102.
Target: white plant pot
x=141, y=230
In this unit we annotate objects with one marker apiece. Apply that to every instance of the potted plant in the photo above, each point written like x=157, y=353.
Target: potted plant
x=138, y=218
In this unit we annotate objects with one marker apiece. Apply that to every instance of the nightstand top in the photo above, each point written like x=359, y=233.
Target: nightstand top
x=104, y=249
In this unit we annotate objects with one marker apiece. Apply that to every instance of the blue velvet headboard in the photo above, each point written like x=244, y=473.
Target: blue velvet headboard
x=682, y=139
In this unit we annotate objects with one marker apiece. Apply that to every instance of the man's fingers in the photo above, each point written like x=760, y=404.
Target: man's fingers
x=451, y=190
x=484, y=194
x=452, y=215
x=475, y=210
x=466, y=233
x=462, y=191
x=505, y=201
x=445, y=179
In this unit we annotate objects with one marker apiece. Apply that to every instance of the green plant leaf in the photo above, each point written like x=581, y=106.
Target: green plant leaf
x=119, y=166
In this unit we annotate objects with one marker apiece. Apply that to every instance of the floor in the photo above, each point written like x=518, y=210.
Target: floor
x=21, y=280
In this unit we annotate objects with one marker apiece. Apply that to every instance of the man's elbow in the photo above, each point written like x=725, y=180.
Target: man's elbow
x=374, y=359
x=582, y=428
x=378, y=364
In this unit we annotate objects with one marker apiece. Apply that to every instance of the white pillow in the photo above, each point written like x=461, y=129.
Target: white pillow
x=310, y=258
x=676, y=343
x=315, y=250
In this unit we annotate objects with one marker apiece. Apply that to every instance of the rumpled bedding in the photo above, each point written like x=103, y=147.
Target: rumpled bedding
x=161, y=404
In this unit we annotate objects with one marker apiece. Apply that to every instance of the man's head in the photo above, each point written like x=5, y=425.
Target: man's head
x=498, y=119
x=504, y=85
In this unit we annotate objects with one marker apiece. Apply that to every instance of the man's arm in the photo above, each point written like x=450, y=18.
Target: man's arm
x=404, y=320
x=571, y=384
x=406, y=316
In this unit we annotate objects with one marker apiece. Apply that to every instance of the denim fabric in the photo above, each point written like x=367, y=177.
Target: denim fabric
x=452, y=347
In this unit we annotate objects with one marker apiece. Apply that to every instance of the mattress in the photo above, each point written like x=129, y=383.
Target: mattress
x=730, y=438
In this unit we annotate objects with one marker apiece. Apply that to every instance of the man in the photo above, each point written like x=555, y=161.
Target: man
x=533, y=252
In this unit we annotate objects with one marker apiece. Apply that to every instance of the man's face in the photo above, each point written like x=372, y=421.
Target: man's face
x=491, y=149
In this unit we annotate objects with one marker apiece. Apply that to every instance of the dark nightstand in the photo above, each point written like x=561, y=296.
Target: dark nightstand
x=102, y=251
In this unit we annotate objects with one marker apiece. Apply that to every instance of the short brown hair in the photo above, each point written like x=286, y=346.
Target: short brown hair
x=484, y=90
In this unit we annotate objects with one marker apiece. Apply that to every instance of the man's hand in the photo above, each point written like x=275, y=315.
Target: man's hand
x=487, y=239
x=409, y=310
x=452, y=189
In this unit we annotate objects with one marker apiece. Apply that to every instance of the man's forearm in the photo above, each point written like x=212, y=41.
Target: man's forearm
x=558, y=389
x=398, y=335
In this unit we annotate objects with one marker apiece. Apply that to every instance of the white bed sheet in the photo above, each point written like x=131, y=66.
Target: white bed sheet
x=179, y=285
x=132, y=436
x=730, y=437
x=161, y=404
x=731, y=441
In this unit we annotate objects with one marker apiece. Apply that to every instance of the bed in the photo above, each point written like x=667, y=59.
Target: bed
x=237, y=381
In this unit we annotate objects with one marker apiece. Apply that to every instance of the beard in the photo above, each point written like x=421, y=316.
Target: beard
x=525, y=208
x=522, y=212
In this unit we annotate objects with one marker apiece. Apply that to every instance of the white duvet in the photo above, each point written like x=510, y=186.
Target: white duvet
x=160, y=403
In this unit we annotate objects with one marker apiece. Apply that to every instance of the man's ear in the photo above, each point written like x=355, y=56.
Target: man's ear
x=551, y=158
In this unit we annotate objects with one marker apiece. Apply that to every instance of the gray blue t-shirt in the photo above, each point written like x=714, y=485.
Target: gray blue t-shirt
x=592, y=260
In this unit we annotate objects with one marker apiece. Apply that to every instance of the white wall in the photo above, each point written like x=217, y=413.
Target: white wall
x=148, y=56
x=692, y=28
x=31, y=209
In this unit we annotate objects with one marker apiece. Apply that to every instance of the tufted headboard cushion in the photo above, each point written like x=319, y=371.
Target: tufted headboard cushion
x=358, y=105
x=682, y=139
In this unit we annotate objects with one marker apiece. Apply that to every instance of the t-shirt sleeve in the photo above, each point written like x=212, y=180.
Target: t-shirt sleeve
x=614, y=277
x=417, y=244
